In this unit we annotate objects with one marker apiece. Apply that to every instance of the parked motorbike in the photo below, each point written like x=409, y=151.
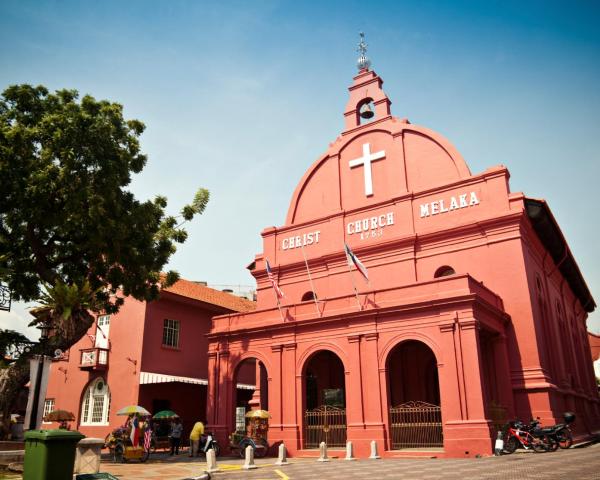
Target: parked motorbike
x=519, y=435
x=537, y=437
x=558, y=435
x=208, y=442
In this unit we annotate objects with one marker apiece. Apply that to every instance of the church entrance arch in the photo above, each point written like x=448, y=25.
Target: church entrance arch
x=251, y=389
x=415, y=417
x=324, y=400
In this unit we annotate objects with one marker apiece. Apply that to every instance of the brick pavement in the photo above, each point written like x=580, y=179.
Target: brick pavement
x=573, y=464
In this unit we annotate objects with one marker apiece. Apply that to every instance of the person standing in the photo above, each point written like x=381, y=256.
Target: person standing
x=176, y=431
x=195, y=436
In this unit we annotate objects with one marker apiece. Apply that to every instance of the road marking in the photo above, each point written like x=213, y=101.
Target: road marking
x=230, y=467
x=282, y=475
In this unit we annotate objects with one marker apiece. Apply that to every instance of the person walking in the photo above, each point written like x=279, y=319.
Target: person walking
x=176, y=431
x=195, y=436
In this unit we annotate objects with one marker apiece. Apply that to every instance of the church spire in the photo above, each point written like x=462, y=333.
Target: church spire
x=363, y=63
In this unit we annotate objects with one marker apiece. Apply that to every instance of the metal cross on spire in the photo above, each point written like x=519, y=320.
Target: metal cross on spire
x=363, y=63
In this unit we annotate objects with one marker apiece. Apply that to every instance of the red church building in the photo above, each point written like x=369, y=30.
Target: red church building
x=474, y=311
x=151, y=354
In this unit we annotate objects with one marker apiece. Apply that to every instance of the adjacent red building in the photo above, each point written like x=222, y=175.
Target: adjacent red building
x=149, y=354
x=474, y=311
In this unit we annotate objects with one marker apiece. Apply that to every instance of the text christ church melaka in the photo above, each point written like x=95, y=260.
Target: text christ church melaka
x=474, y=313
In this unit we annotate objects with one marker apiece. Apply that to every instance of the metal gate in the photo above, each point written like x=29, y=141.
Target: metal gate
x=416, y=425
x=325, y=424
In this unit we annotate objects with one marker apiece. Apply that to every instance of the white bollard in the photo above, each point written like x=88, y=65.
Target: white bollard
x=211, y=462
x=323, y=453
x=282, y=457
x=349, y=451
x=374, y=455
x=249, y=462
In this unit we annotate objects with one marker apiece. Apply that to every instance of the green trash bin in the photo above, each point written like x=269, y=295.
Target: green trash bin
x=50, y=454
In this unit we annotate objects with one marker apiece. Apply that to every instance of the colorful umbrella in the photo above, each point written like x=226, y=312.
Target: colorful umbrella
x=59, y=416
x=165, y=415
x=131, y=409
x=258, y=414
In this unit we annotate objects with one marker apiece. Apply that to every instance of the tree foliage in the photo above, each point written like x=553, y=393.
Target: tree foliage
x=71, y=234
x=66, y=216
x=11, y=342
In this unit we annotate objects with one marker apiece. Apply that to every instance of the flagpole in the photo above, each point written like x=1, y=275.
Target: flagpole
x=355, y=290
x=276, y=291
x=312, y=287
x=279, y=307
x=352, y=278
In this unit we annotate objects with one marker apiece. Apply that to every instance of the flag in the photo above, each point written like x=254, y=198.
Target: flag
x=278, y=291
x=353, y=260
x=135, y=431
x=147, y=437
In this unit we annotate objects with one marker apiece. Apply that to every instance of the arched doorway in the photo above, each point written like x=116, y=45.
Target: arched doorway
x=251, y=390
x=415, y=416
x=324, y=401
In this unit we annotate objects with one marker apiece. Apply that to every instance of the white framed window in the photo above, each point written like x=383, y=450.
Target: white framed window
x=49, y=406
x=103, y=320
x=171, y=333
x=96, y=403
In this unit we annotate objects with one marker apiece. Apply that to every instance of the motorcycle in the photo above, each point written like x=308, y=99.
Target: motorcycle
x=519, y=435
x=558, y=435
x=208, y=442
x=539, y=438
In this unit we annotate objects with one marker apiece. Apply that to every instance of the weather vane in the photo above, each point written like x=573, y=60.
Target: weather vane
x=363, y=62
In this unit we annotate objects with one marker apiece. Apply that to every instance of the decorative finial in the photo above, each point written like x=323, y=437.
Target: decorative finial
x=363, y=63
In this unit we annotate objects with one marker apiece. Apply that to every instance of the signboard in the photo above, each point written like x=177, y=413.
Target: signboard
x=240, y=419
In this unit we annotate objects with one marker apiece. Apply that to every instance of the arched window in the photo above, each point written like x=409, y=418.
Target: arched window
x=96, y=403
x=444, y=271
x=308, y=296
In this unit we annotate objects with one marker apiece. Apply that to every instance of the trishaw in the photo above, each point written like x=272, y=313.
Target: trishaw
x=255, y=434
x=119, y=441
x=121, y=448
x=161, y=428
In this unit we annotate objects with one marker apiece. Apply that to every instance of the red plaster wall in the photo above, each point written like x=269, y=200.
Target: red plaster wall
x=189, y=360
x=122, y=377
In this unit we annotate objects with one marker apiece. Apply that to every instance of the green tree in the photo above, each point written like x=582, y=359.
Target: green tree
x=71, y=234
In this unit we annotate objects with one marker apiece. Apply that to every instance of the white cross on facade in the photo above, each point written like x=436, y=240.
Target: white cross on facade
x=366, y=160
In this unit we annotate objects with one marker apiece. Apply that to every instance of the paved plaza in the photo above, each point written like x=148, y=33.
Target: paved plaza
x=574, y=464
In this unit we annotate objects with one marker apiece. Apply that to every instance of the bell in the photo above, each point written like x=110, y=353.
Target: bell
x=366, y=112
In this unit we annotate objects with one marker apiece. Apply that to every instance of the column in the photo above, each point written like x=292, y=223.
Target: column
x=213, y=385
x=255, y=400
x=223, y=425
x=502, y=367
x=275, y=398
x=472, y=371
x=289, y=396
x=374, y=425
x=353, y=390
x=450, y=376
x=466, y=430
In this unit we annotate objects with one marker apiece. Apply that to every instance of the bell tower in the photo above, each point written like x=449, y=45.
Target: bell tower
x=368, y=103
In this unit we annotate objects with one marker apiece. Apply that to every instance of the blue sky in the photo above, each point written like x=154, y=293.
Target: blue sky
x=241, y=97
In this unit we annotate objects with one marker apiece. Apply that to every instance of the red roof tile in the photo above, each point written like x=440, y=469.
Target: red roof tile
x=189, y=289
